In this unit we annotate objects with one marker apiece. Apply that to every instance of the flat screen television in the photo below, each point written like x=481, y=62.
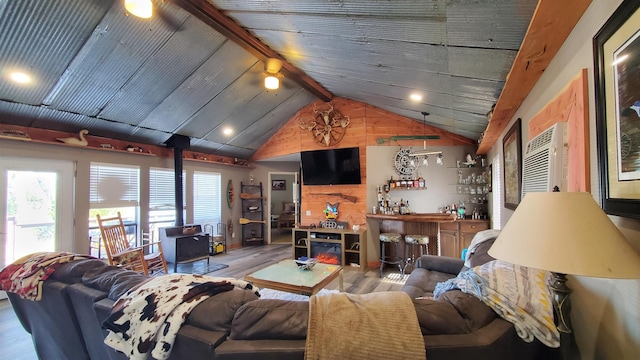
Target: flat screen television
x=331, y=167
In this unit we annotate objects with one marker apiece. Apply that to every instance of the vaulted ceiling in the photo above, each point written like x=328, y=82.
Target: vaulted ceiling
x=197, y=66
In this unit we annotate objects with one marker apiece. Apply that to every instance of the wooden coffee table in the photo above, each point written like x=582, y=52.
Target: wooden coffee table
x=285, y=276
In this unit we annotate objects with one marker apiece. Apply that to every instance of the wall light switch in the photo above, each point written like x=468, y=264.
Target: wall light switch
x=308, y=212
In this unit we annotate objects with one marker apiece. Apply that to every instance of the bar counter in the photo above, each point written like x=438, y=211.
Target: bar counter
x=429, y=217
x=447, y=235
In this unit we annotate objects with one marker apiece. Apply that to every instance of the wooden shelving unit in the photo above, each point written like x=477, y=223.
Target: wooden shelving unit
x=253, y=210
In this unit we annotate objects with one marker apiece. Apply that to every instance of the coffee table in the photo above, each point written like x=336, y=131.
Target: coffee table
x=285, y=276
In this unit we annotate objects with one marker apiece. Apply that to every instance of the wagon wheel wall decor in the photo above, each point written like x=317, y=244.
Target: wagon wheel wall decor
x=327, y=127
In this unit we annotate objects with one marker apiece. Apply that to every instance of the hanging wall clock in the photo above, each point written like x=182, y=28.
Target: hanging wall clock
x=403, y=164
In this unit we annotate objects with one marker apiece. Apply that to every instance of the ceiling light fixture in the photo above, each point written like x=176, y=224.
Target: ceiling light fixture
x=271, y=82
x=227, y=131
x=20, y=77
x=272, y=68
x=415, y=97
x=140, y=8
x=424, y=153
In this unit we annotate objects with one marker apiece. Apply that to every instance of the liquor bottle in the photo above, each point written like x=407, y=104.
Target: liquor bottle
x=421, y=182
x=407, y=208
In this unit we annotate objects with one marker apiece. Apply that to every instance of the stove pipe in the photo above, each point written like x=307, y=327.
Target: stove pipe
x=178, y=143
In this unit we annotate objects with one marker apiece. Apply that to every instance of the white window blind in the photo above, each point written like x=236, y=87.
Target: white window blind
x=113, y=185
x=162, y=193
x=206, y=197
x=498, y=191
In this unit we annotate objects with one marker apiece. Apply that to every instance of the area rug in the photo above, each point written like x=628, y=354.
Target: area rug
x=198, y=267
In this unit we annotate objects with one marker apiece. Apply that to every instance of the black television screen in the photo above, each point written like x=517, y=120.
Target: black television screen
x=331, y=167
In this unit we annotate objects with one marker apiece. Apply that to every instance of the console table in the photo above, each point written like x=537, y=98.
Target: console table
x=353, y=244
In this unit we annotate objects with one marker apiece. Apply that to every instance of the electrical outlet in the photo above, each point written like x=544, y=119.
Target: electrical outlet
x=308, y=213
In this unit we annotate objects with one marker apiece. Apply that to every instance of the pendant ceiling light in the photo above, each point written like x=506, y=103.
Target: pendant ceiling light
x=423, y=155
x=272, y=68
x=139, y=8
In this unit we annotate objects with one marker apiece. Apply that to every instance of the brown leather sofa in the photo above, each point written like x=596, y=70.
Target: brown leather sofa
x=459, y=325
x=77, y=298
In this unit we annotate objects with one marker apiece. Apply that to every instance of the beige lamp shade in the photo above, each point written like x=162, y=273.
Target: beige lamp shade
x=568, y=233
x=139, y=8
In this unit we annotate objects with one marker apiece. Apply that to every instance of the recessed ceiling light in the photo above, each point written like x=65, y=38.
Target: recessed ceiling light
x=415, y=97
x=227, y=131
x=20, y=77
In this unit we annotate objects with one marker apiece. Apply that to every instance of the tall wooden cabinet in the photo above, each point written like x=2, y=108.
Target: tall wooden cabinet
x=457, y=235
x=253, y=214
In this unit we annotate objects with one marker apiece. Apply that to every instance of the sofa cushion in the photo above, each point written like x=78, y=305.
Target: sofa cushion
x=474, y=312
x=439, y=317
x=216, y=313
x=271, y=319
x=481, y=255
x=421, y=282
x=112, y=280
x=72, y=272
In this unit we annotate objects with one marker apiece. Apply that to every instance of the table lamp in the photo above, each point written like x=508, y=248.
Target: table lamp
x=565, y=233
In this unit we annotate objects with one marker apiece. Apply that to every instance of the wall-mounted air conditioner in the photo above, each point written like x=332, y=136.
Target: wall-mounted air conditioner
x=544, y=164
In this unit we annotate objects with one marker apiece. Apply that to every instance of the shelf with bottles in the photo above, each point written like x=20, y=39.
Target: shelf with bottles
x=405, y=183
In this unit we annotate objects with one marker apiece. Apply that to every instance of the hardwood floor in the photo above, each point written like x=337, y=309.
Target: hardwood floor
x=16, y=344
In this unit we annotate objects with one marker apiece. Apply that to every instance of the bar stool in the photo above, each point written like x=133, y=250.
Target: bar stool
x=390, y=238
x=410, y=243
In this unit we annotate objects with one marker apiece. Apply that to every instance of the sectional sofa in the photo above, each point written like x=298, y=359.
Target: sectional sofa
x=68, y=322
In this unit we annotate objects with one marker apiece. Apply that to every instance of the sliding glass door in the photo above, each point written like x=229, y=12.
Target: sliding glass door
x=37, y=207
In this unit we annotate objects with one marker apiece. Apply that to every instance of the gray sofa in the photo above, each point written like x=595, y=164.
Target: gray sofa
x=77, y=298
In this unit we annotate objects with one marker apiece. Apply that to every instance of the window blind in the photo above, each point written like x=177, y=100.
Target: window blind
x=113, y=185
x=206, y=197
x=162, y=192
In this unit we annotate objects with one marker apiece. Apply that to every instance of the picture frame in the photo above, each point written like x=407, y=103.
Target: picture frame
x=277, y=185
x=617, y=92
x=512, y=160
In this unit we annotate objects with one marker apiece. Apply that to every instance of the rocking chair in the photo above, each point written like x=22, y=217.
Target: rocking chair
x=121, y=253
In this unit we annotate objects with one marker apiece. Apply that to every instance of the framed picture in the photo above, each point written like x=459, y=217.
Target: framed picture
x=616, y=49
x=511, y=158
x=278, y=185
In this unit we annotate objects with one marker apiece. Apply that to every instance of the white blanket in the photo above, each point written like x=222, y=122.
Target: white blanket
x=518, y=294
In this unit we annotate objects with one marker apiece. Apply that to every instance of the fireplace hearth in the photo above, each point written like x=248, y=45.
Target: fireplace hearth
x=326, y=252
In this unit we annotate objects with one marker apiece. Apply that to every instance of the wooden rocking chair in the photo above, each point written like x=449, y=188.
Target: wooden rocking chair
x=120, y=253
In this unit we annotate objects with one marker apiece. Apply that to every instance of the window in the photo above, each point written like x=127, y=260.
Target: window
x=206, y=198
x=162, y=195
x=496, y=206
x=113, y=188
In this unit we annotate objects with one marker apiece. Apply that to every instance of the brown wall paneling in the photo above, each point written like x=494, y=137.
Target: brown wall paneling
x=570, y=106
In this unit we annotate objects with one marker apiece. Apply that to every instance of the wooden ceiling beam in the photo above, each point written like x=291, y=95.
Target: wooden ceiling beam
x=220, y=22
x=551, y=24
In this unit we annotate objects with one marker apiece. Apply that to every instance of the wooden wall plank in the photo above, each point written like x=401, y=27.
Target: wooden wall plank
x=570, y=106
x=367, y=124
x=552, y=22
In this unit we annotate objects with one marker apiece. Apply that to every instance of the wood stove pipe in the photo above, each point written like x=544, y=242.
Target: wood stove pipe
x=178, y=143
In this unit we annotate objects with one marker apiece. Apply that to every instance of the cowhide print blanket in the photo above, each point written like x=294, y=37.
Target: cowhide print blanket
x=26, y=275
x=144, y=321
